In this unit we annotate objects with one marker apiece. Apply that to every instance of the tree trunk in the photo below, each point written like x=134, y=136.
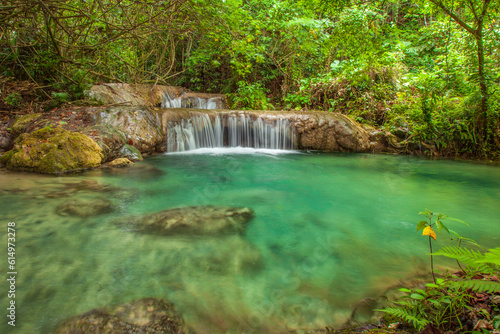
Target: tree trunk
x=482, y=82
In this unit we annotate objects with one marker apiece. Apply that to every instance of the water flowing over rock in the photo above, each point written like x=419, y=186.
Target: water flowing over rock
x=203, y=220
x=155, y=96
x=148, y=315
x=229, y=130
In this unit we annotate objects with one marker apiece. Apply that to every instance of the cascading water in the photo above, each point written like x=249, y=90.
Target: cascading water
x=189, y=102
x=229, y=130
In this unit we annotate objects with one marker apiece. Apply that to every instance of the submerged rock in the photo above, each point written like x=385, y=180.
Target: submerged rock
x=84, y=208
x=192, y=220
x=52, y=151
x=89, y=185
x=148, y=315
x=120, y=162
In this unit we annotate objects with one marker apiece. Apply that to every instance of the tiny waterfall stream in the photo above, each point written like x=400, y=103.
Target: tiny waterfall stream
x=229, y=130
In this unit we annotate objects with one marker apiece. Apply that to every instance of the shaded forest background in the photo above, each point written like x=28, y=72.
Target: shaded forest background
x=426, y=70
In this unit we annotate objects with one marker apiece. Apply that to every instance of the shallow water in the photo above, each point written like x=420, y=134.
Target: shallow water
x=329, y=230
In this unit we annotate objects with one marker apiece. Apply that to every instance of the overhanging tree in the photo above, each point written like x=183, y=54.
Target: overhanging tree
x=465, y=12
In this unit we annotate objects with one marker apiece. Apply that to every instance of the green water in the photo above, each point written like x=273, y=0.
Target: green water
x=329, y=230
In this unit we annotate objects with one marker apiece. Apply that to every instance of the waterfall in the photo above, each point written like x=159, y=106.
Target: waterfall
x=189, y=102
x=229, y=130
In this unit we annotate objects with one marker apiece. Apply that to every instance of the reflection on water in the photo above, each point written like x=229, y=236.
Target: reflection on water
x=329, y=230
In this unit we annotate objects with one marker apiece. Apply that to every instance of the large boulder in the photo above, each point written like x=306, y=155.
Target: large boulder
x=330, y=132
x=138, y=126
x=148, y=315
x=207, y=220
x=52, y=151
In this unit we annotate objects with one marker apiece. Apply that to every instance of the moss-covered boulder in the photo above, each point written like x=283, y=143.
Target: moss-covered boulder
x=52, y=151
x=23, y=124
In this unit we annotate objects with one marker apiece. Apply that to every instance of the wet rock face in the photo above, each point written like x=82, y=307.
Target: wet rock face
x=148, y=315
x=204, y=220
x=139, y=127
x=84, y=208
x=330, y=132
x=52, y=151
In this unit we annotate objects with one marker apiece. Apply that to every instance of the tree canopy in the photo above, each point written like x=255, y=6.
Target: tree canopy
x=426, y=70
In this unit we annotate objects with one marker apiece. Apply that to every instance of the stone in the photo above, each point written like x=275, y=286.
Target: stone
x=89, y=185
x=140, y=127
x=120, y=162
x=147, y=315
x=204, y=220
x=329, y=132
x=130, y=152
x=52, y=151
x=23, y=123
x=84, y=208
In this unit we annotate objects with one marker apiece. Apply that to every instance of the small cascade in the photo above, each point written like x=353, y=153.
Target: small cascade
x=189, y=102
x=229, y=130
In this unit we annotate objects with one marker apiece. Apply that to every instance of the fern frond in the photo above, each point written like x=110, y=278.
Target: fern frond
x=403, y=314
x=479, y=285
x=465, y=255
x=492, y=256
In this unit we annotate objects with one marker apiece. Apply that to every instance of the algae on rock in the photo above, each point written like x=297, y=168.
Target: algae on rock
x=53, y=151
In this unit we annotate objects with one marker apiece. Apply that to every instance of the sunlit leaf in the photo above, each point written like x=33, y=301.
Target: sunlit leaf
x=430, y=232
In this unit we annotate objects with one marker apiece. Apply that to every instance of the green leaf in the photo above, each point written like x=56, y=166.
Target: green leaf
x=441, y=226
x=405, y=290
x=458, y=220
x=432, y=285
x=421, y=225
x=417, y=296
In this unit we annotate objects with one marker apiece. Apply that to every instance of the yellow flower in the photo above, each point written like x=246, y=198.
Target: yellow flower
x=430, y=232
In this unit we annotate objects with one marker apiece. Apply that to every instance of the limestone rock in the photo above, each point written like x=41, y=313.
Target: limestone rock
x=209, y=220
x=130, y=152
x=52, y=151
x=140, y=127
x=120, y=162
x=84, y=208
x=23, y=123
x=148, y=315
x=330, y=132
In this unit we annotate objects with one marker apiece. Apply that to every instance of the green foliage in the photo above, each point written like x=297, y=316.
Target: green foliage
x=13, y=99
x=250, y=96
x=394, y=64
x=444, y=303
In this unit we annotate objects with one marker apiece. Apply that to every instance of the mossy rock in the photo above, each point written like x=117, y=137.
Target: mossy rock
x=22, y=123
x=120, y=162
x=52, y=151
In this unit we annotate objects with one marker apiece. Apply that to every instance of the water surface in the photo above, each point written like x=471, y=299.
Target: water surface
x=329, y=230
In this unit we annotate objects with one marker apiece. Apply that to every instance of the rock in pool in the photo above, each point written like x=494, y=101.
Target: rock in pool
x=84, y=208
x=205, y=220
x=147, y=315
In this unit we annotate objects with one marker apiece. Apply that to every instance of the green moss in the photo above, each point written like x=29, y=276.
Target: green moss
x=22, y=123
x=53, y=151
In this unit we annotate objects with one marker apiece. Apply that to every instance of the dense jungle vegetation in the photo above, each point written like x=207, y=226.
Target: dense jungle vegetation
x=426, y=70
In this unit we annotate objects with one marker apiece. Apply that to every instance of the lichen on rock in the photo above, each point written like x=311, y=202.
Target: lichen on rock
x=51, y=150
